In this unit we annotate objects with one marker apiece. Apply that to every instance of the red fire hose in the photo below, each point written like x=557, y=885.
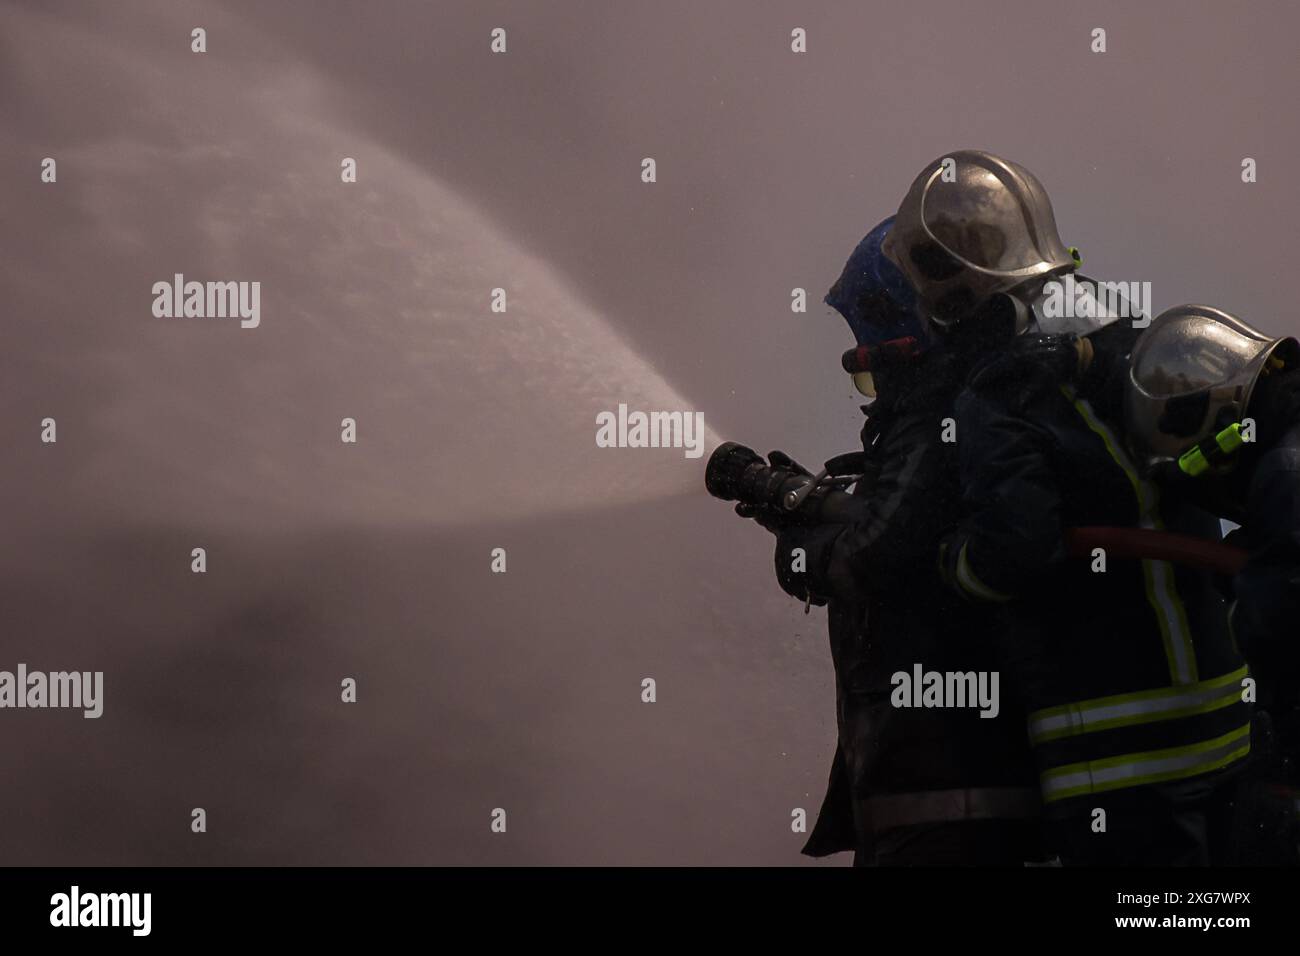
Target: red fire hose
x=1139, y=543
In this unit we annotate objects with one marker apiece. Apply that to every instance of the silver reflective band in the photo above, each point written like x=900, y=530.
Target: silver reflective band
x=1132, y=770
x=1142, y=707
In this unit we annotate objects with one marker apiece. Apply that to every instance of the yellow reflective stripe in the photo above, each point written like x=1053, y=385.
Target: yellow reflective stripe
x=1221, y=681
x=1161, y=586
x=970, y=582
x=1155, y=766
x=1173, y=623
x=1140, y=707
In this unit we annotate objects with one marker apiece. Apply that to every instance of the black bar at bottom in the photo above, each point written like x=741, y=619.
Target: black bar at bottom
x=332, y=905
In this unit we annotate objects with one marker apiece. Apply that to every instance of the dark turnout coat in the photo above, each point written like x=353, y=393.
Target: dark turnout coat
x=889, y=612
x=1266, y=615
x=1127, y=667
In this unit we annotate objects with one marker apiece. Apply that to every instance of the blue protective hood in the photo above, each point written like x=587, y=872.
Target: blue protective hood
x=873, y=296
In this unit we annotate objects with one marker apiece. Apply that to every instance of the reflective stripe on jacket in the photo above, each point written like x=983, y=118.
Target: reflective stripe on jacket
x=1128, y=668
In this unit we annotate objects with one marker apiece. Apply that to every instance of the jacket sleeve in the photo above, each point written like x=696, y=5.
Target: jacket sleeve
x=911, y=502
x=1011, y=533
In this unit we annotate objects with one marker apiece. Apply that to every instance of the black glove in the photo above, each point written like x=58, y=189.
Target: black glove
x=779, y=459
x=772, y=520
x=816, y=542
x=774, y=517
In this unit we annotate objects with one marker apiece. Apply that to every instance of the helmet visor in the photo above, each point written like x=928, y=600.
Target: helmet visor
x=1079, y=305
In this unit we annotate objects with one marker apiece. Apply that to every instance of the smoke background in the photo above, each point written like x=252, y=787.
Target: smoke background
x=476, y=430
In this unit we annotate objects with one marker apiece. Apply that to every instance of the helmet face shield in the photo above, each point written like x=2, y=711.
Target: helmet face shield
x=1076, y=304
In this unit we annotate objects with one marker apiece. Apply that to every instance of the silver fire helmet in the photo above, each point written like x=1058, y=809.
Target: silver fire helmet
x=972, y=226
x=1191, y=377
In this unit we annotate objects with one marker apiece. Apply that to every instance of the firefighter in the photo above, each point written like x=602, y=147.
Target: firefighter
x=907, y=786
x=1213, y=408
x=1137, y=719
